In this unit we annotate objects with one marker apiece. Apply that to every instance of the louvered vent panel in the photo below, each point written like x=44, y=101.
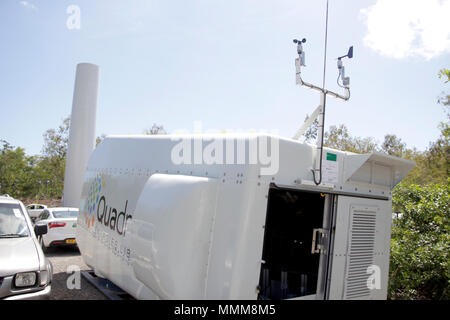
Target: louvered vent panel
x=360, y=251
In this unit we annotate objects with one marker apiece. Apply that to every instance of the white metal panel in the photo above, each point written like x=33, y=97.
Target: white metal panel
x=363, y=174
x=359, y=167
x=237, y=243
x=103, y=249
x=361, y=239
x=170, y=234
x=382, y=175
x=360, y=253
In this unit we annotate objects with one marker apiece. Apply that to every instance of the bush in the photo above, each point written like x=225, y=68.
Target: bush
x=420, y=245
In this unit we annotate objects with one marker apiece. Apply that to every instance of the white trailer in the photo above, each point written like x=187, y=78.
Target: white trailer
x=220, y=217
x=235, y=228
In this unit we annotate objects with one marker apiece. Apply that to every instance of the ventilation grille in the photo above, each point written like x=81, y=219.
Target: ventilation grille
x=360, y=251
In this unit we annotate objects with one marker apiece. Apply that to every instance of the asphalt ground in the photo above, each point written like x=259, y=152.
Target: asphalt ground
x=65, y=281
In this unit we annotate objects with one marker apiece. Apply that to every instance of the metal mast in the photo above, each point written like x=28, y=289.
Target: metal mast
x=319, y=112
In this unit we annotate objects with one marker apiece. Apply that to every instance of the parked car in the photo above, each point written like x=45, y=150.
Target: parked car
x=61, y=223
x=35, y=209
x=25, y=272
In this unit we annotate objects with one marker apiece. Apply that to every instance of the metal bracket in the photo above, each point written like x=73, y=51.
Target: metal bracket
x=317, y=242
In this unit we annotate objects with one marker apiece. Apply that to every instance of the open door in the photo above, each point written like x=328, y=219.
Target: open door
x=295, y=246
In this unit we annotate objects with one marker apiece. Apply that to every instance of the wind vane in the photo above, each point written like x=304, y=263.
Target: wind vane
x=319, y=112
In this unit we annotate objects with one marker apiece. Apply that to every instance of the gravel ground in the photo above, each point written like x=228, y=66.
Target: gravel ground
x=61, y=258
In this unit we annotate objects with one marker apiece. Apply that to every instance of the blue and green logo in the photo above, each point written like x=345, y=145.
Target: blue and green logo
x=93, y=197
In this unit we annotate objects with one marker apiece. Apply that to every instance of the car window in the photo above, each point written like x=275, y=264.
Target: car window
x=44, y=215
x=39, y=207
x=65, y=214
x=12, y=221
x=30, y=207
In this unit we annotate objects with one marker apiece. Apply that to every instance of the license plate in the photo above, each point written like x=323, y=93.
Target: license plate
x=71, y=241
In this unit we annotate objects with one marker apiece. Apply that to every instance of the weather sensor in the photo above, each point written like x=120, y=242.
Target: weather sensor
x=345, y=80
x=319, y=112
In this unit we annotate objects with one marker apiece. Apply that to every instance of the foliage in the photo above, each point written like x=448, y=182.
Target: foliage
x=443, y=73
x=16, y=171
x=393, y=146
x=42, y=176
x=340, y=138
x=311, y=132
x=56, y=141
x=99, y=139
x=445, y=98
x=155, y=129
x=432, y=165
x=420, y=244
x=52, y=163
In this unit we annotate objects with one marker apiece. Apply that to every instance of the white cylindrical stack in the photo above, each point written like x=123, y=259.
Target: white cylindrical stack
x=82, y=131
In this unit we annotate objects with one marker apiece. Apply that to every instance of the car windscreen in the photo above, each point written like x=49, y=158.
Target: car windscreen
x=12, y=221
x=65, y=214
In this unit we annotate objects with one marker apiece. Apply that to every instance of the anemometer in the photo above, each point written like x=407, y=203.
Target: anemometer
x=319, y=112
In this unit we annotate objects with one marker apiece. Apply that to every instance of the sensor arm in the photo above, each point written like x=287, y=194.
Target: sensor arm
x=342, y=97
x=300, y=81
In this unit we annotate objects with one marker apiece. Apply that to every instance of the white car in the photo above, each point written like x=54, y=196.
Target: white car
x=61, y=224
x=25, y=272
x=35, y=209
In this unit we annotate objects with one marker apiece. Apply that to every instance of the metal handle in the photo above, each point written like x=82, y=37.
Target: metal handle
x=317, y=248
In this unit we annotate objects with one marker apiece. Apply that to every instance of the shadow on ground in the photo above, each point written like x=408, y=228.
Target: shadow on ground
x=63, y=251
x=67, y=284
x=61, y=291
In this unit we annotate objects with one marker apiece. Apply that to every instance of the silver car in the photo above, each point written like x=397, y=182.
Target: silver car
x=25, y=272
x=35, y=209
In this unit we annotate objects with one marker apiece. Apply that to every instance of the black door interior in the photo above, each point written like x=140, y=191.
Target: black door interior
x=289, y=268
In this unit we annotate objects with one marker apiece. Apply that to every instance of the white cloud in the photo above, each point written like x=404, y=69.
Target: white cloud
x=28, y=5
x=404, y=28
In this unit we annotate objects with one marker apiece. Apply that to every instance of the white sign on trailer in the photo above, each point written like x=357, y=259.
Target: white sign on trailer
x=330, y=168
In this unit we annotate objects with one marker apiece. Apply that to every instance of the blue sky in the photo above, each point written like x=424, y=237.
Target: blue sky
x=229, y=64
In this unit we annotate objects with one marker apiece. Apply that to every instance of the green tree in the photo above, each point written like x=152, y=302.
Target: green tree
x=444, y=73
x=56, y=140
x=311, y=133
x=392, y=145
x=99, y=139
x=155, y=129
x=445, y=98
x=51, y=165
x=16, y=171
x=339, y=138
x=420, y=245
x=432, y=165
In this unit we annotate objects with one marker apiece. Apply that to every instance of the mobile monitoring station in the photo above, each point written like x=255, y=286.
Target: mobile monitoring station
x=231, y=216
x=161, y=230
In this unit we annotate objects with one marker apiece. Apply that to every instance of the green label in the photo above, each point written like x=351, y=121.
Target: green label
x=331, y=156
